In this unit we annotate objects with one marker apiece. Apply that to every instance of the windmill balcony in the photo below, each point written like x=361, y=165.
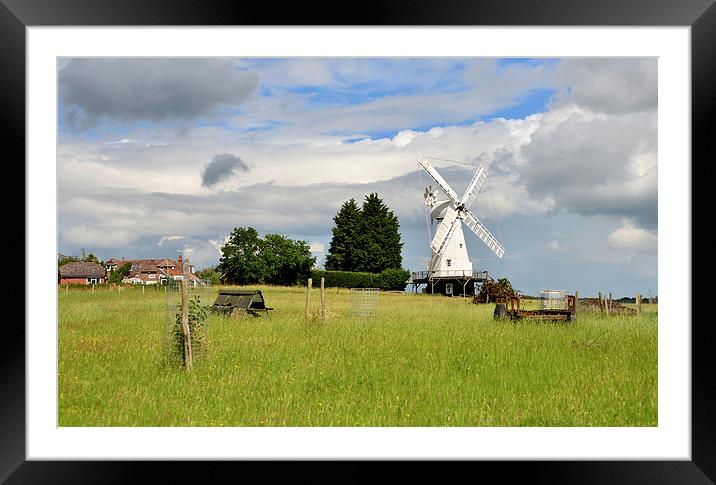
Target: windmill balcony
x=459, y=274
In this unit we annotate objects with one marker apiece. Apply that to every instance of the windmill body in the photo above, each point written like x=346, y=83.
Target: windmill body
x=449, y=214
x=454, y=258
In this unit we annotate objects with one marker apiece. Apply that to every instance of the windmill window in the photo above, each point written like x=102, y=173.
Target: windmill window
x=449, y=261
x=460, y=244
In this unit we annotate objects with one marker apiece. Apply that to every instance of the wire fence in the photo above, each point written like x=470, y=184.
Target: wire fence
x=553, y=300
x=199, y=305
x=363, y=303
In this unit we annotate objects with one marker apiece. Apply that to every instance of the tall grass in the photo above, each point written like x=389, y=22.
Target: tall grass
x=426, y=361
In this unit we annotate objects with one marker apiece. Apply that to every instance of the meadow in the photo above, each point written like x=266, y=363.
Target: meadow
x=425, y=361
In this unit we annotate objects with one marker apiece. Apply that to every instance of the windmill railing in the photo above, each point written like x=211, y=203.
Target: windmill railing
x=461, y=274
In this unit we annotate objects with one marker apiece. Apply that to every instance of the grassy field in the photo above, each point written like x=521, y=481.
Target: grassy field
x=426, y=361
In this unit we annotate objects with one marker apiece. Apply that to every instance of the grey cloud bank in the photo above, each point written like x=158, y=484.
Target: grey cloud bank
x=149, y=89
x=222, y=167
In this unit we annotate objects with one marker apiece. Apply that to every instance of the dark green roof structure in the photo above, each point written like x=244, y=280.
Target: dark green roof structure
x=238, y=302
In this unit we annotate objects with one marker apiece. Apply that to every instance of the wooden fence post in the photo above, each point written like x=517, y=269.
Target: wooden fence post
x=323, y=301
x=638, y=303
x=67, y=288
x=185, y=315
x=93, y=289
x=308, y=295
x=576, y=301
x=601, y=304
x=143, y=289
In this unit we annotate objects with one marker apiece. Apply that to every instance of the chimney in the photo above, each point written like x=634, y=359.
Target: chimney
x=179, y=263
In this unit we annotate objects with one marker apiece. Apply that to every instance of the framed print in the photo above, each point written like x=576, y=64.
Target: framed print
x=294, y=208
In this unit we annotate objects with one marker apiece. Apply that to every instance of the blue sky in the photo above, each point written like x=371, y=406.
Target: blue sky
x=157, y=156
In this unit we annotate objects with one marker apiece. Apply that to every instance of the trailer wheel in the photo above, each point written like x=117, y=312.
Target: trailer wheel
x=500, y=311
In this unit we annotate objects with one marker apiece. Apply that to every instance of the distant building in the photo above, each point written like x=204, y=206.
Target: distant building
x=81, y=273
x=151, y=271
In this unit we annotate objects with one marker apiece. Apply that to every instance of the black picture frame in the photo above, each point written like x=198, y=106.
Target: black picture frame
x=700, y=15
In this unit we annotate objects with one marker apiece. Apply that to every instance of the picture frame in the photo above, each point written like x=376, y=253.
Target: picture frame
x=700, y=15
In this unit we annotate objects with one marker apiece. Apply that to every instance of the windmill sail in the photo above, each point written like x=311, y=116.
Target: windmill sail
x=438, y=179
x=481, y=231
x=444, y=230
x=474, y=187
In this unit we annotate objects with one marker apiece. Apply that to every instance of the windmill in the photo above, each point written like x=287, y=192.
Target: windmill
x=449, y=252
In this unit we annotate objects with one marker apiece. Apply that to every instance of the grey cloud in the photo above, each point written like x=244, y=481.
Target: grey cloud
x=222, y=167
x=149, y=89
x=609, y=85
x=586, y=165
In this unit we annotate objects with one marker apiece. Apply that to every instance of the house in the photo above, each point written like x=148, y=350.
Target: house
x=81, y=273
x=152, y=271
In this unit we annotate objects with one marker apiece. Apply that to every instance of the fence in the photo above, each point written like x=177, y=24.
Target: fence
x=200, y=300
x=363, y=303
x=553, y=299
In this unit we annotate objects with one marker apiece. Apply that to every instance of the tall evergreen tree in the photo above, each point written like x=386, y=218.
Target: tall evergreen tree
x=379, y=240
x=341, y=252
x=366, y=238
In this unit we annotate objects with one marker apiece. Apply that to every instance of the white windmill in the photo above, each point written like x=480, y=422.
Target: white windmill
x=449, y=252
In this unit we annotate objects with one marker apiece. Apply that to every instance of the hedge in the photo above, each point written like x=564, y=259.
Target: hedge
x=388, y=279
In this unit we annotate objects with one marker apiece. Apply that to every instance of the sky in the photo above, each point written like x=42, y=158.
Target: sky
x=160, y=156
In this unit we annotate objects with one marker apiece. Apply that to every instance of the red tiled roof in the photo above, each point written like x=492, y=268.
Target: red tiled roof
x=81, y=269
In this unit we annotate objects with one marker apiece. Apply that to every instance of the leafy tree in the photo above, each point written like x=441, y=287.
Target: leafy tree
x=118, y=274
x=240, y=262
x=275, y=260
x=63, y=259
x=210, y=274
x=91, y=258
x=286, y=262
x=341, y=252
x=365, y=239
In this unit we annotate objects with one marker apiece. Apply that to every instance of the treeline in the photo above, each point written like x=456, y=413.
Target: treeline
x=63, y=259
x=365, y=252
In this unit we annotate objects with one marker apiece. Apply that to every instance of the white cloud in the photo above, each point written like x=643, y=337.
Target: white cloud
x=555, y=246
x=317, y=247
x=169, y=238
x=216, y=244
x=631, y=239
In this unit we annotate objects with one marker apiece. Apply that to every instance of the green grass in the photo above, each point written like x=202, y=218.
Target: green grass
x=426, y=361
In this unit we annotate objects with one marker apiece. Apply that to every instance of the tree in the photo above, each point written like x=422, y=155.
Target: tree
x=63, y=259
x=365, y=239
x=379, y=243
x=287, y=262
x=240, y=262
x=118, y=274
x=274, y=260
x=341, y=252
x=211, y=274
x=91, y=258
